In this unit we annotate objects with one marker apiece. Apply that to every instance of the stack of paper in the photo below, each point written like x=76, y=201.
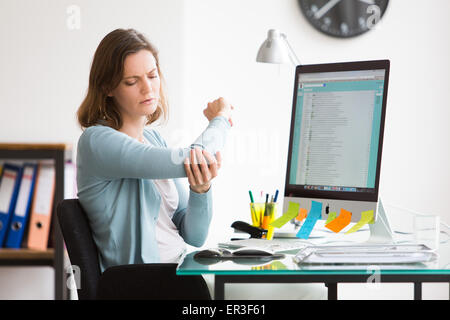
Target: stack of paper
x=360, y=254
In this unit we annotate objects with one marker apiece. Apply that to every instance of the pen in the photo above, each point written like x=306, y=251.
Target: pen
x=251, y=196
x=276, y=196
x=264, y=212
x=266, y=217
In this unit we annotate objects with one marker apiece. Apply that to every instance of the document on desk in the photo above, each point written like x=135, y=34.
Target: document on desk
x=276, y=245
x=365, y=254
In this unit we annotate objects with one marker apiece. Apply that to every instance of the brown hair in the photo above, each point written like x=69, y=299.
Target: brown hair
x=106, y=74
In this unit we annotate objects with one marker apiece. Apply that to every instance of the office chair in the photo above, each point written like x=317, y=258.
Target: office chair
x=156, y=281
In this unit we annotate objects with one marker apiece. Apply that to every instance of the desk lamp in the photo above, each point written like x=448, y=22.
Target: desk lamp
x=276, y=49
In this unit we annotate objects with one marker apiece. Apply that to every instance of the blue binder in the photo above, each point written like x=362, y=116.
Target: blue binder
x=9, y=188
x=20, y=217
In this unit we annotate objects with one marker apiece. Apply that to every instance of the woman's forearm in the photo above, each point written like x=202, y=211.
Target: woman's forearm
x=111, y=154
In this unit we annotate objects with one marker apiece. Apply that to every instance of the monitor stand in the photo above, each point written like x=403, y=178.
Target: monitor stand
x=381, y=231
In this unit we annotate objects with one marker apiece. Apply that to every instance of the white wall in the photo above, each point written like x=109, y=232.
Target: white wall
x=45, y=64
x=221, y=52
x=44, y=76
x=222, y=41
x=208, y=49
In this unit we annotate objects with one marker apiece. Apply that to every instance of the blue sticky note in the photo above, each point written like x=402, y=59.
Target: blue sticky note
x=314, y=214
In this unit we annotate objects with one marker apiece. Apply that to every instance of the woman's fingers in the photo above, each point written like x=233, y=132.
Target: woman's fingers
x=190, y=175
x=212, y=163
x=195, y=168
x=201, y=167
x=204, y=170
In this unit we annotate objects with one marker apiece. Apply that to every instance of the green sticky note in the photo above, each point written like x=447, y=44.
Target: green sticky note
x=331, y=217
x=291, y=213
x=366, y=217
x=278, y=265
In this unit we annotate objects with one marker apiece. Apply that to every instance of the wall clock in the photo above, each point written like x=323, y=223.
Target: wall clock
x=343, y=18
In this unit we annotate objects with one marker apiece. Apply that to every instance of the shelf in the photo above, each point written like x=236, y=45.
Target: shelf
x=15, y=257
x=54, y=257
x=35, y=146
x=36, y=150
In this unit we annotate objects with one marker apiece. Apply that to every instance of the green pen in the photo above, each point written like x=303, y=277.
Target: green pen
x=251, y=196
x=255, y=219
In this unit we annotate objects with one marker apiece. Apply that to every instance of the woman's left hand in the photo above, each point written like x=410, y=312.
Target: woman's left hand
x=199, y=172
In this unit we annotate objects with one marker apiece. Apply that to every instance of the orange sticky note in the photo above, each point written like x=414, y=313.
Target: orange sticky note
x=340, y=222
x=302, y=214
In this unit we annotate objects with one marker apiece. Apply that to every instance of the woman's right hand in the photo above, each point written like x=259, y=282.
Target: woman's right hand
x=201, y=168
x=219, y=107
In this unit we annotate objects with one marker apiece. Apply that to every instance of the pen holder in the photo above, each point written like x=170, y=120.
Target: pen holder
x=257, y=211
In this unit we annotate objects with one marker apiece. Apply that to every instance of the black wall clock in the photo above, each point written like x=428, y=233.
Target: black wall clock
x=343, y=18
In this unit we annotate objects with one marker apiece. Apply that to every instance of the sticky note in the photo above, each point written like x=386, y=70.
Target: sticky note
x=291, y=213
x=302, y=214
x=366, y=217
x=278, y=265
x=340, y=222
x=314, y=214
x=331, y=217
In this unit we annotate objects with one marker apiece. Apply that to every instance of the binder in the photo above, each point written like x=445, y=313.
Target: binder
x=9, y=188
x=41, y=210
x=19, y=219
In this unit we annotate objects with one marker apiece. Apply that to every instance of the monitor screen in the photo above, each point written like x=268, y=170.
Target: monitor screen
x=337, y=130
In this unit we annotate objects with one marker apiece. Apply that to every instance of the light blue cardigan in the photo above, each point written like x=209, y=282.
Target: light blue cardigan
x=114, y=177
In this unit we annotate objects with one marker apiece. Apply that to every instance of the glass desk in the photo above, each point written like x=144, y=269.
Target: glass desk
x=285, y=270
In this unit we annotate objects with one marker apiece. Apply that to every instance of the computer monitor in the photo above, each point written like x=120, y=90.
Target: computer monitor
x=336, y=136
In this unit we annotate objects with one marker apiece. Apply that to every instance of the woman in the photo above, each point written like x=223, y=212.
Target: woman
x=128, y=179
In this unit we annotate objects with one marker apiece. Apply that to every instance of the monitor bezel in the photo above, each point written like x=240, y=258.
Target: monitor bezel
x=291, y=190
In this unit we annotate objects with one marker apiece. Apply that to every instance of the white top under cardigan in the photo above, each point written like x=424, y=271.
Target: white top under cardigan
x=170, y=244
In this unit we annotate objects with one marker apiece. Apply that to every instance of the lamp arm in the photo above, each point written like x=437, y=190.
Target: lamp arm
x=292, y=54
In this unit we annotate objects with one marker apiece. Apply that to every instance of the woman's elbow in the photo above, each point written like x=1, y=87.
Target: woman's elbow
x=197, y=240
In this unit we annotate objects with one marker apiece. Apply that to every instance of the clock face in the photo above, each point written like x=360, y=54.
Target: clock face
x=343, y=18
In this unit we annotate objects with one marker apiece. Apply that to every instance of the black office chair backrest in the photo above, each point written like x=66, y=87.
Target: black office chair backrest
x=80, y=246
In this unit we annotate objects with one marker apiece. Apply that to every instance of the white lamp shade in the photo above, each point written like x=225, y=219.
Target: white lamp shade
x=273, y=49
